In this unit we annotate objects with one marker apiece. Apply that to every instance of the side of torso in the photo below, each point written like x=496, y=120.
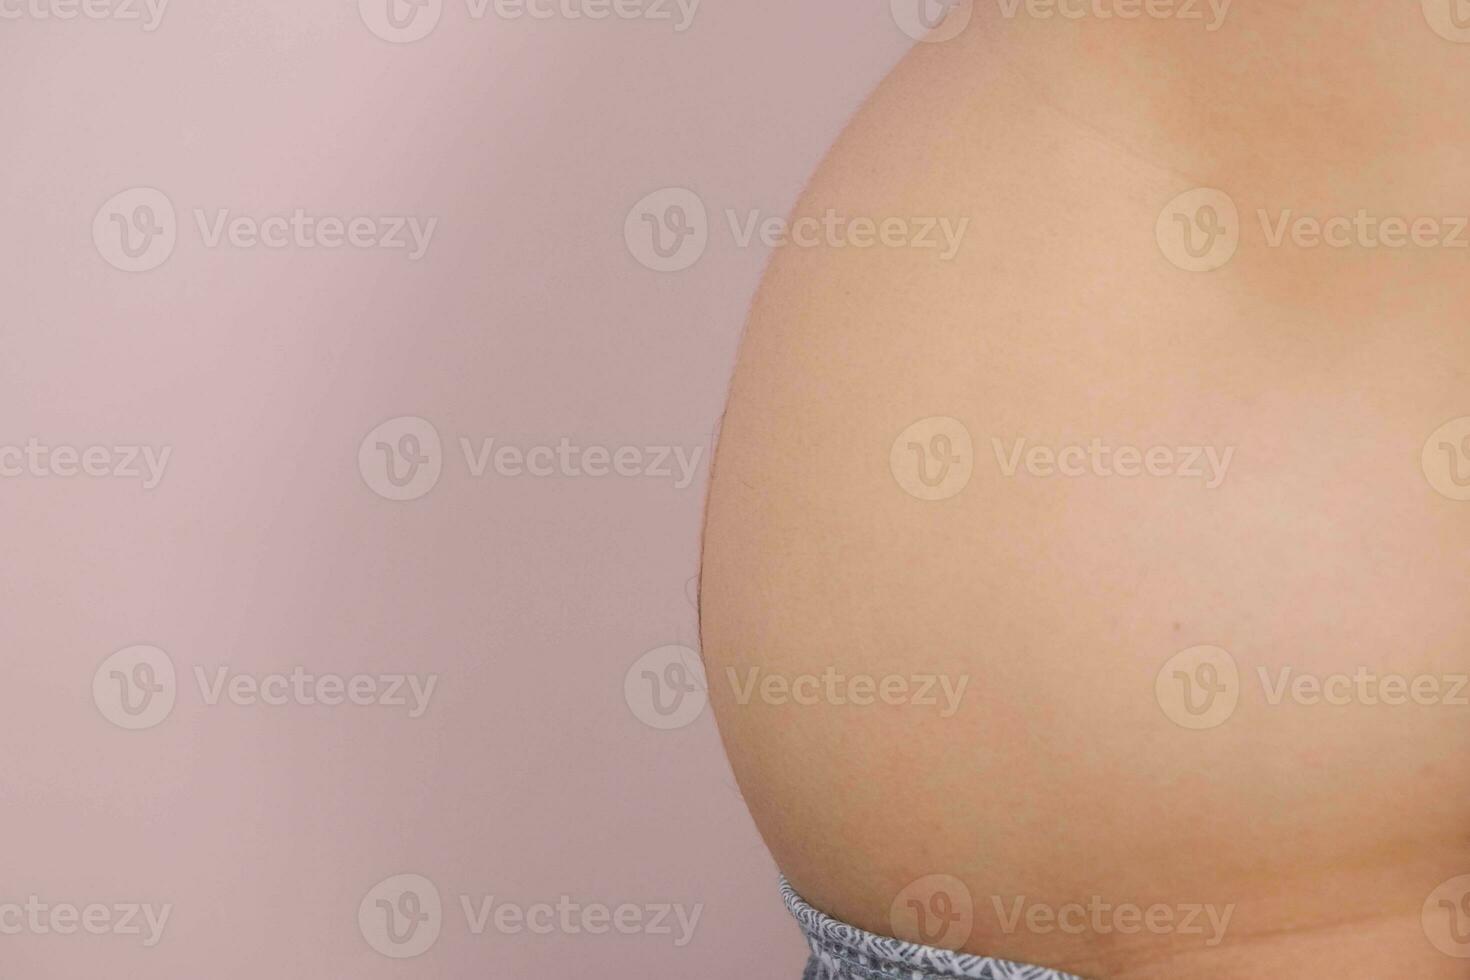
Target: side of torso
x=1076, y=477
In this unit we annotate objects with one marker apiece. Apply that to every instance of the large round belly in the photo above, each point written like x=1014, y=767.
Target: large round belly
x=1066, y=602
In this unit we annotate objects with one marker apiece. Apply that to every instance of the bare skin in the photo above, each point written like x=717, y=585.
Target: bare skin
x=1322, y=549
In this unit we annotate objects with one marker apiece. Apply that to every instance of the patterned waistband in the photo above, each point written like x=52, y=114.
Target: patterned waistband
x=844, y=952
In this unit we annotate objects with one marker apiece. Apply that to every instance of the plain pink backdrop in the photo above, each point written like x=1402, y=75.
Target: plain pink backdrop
x=264, y=549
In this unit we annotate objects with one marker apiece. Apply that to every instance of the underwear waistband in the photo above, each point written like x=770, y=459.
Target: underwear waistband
x=844, y=952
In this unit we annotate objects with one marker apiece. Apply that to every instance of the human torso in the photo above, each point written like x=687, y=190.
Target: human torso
x=1165, y=464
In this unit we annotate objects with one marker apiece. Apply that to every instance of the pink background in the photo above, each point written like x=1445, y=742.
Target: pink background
x=264, y=549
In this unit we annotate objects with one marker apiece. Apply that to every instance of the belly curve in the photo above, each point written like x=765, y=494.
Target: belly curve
x=1078, y=577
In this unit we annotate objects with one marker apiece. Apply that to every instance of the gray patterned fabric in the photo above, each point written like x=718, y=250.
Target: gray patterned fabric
x=843, y=952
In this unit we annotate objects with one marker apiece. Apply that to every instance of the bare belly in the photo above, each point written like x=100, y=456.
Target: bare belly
x=1123, y=588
